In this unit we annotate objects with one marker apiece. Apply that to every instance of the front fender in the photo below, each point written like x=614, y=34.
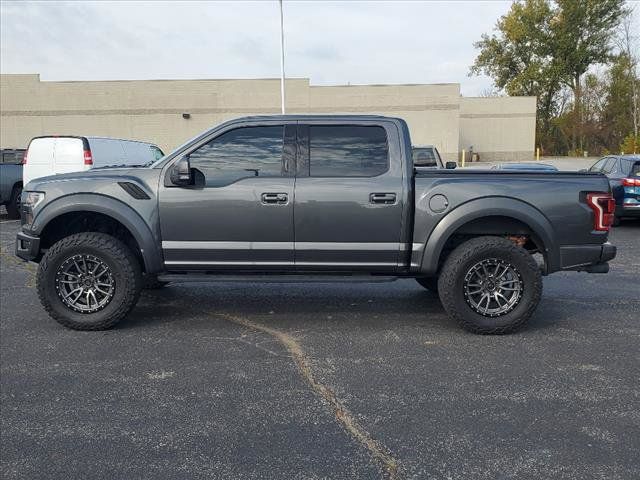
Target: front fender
x=488, y=207
x=114, y=208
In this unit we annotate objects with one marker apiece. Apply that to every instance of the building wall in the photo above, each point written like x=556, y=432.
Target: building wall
x=499, y=128
x=152, y=110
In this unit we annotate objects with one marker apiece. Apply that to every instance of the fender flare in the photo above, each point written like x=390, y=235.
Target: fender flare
x=490, y=207
x=111, y=207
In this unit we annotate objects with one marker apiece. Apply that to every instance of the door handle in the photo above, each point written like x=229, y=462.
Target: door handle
x=275, y=198
x=383, y=198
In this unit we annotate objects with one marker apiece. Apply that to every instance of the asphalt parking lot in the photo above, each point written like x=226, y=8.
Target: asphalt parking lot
x=318, y=381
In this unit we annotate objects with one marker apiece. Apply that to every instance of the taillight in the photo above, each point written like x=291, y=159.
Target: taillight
x=88, y=159
x=631, y=182
x=604, y=207
x=24, y=157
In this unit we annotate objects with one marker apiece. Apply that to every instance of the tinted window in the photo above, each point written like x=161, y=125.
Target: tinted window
x=629, y=167
x=157, y=153
x=240, y=153
x=424, y=157
x=12, y=156
x=598, y=166
x=610, y=166
x=347, y=151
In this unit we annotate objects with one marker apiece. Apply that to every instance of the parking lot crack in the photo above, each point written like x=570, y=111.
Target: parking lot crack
x=379, y=453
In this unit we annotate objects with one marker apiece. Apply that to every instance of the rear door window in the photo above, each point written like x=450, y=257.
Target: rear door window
x=611, y=167
x=347, y=151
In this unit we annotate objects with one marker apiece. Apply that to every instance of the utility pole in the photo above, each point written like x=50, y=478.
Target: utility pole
x=281, y=58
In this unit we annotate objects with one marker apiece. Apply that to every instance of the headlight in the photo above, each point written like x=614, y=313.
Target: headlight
x=31, y=199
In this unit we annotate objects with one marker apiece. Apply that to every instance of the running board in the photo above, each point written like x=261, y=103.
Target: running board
x=280, y=278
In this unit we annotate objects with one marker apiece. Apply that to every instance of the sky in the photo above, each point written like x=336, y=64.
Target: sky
x=331, y=43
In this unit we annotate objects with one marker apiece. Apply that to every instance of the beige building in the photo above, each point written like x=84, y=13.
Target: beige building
x=152, y=110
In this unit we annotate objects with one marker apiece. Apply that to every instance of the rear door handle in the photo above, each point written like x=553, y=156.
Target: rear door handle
x=274, y=198
x=383, y=198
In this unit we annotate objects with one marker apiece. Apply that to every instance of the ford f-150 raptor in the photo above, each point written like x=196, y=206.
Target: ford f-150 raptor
x=311, y=197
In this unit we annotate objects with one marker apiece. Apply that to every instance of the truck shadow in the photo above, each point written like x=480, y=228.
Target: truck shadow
x=298, y=305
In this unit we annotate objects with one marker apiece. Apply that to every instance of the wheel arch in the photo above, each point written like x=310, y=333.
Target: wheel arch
x=109, y=207
x=486, y=216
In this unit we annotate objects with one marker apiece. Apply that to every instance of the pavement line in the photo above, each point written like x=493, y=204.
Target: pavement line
x=341, y=413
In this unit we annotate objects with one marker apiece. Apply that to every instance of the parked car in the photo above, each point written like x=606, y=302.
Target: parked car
x=531, y=166
x=11, y=181
x=623, y=172
x=51, y=155
x=222, y=207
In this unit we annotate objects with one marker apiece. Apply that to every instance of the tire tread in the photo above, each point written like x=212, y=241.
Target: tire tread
x=102, y=242
x=451, y=270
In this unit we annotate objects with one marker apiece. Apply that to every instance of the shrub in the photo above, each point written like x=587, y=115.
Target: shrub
x=631, y=144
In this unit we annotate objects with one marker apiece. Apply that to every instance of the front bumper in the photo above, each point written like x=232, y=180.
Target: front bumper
x=587, y=258
x=27, y=247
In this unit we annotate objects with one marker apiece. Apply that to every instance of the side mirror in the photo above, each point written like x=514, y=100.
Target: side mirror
x=451, y=165
x=181, y=172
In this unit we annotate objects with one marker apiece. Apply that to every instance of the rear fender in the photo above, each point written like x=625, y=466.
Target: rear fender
x=487, y=207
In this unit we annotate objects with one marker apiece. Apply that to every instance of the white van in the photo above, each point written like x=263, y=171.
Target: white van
x=53, y=155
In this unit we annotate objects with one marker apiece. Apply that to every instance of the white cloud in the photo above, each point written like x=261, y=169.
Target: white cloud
x=328, y=42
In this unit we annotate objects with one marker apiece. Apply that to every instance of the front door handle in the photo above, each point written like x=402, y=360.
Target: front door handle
x=275, y=198
x=383, y=198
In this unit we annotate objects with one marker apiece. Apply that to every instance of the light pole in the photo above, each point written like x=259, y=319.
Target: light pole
x=281, y=57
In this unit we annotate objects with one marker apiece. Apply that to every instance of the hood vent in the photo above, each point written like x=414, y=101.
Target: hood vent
x=134, y=190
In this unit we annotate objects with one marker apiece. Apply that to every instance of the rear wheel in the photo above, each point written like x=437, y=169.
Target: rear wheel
x=430, y=283
x=490, y=286
x=88, y=281
x=13, y=207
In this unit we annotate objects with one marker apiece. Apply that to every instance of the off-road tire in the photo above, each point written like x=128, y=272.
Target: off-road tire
x=13, y=207
x=151, y=282
x=430, y=283
x=123, y=264
x=452, y=277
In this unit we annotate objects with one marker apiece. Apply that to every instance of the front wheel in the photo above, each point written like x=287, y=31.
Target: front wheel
x=88, y=281
x=490, y=286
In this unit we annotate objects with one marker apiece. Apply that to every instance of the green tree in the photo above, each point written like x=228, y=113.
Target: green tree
x=518, y=57
x=582, y=34
x=541, y=47
x=617, y=113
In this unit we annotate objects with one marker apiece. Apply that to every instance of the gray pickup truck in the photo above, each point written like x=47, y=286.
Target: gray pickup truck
x=308, y=198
